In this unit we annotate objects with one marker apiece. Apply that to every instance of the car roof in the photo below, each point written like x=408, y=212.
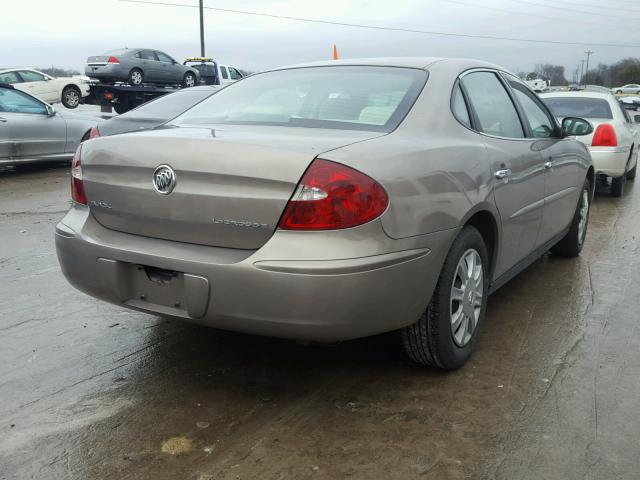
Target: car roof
x=580, y=94
x=408, y=62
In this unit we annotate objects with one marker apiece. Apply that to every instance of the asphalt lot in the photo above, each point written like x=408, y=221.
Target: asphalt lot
x=93, y=391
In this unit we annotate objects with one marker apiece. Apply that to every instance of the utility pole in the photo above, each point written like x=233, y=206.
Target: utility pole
x=581, y=72
x=589, y=53
x=201, y=28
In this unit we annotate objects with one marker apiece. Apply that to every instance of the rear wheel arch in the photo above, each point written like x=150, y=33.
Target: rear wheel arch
x=485, y=222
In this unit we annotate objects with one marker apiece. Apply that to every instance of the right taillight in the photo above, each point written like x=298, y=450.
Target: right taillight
x=78, y=194
x=113, y=60
x=94, y=133
x=605, y=136
x=331, y=196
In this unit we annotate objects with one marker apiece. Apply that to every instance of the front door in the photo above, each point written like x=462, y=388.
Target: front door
x=30, y=131
x=169, y=70
x=564, y=170
x=37, y=84
x=515, y=162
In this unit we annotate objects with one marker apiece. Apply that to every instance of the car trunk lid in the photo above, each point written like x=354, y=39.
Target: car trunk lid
x=232, y=184
x=99, y=60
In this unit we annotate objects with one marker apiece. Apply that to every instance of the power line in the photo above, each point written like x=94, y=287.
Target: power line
x=527, y=14
x=581, y=12
x=390, y=29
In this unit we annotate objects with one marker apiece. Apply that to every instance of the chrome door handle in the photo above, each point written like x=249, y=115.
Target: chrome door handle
x=502, y=174
x=548, y=165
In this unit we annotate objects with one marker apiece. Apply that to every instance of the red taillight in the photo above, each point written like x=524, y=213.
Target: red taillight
x=77, y=186
x=94, y=133
x=113, y=60
x=332, y=196
x=605, y=136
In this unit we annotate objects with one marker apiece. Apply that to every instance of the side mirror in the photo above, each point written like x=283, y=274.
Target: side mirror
x=50, y=110
x=574, y=126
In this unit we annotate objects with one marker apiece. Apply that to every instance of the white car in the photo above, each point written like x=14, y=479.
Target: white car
x=614, y=143
x=66, y=90
x=630, y=88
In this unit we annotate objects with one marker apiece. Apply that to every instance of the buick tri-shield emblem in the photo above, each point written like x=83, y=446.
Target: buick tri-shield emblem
x=164, y=179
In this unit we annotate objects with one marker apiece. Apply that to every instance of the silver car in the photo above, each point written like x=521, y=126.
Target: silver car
x=331, y=201
x=32, y=130
x=140, y=65
x=633, y=88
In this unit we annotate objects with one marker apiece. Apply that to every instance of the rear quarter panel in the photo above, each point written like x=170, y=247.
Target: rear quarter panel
x=435, y=170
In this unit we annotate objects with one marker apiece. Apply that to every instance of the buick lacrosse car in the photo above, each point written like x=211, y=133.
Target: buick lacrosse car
x=331, y=201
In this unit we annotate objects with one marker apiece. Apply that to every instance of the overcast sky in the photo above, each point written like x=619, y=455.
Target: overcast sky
x=65, y=32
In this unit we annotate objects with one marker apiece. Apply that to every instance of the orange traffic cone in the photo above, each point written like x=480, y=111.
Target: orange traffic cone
x=335, y=52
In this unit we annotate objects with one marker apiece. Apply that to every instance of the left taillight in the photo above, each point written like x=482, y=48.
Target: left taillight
x=78, y=194
x=94, y=133
x=332, y=196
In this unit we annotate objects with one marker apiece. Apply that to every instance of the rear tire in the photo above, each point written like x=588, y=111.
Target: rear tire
x=617, y=185
x=572, y=243
x=136, y=77
x=631, y=174
x=71, y=96
x=434, y=340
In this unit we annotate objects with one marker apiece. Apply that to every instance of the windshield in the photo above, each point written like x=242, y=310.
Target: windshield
x=340, y=97
x=579, y=107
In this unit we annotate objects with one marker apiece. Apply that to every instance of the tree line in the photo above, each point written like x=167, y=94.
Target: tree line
x=620, y=73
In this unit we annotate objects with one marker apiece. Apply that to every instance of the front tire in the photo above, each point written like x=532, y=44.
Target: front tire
x=189, y=80
x=445, y=335
x=71, y=96
x=572, y=243
x=136, y=77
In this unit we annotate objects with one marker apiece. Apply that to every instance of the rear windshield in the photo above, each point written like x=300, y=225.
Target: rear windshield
x=120, y=51
x=340, y=97
x=579, y=107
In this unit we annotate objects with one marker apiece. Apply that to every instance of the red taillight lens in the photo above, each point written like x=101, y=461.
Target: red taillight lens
x=77, y=186
x=332, y=196
x=94, y=133
x=605, y=136
x=113, y=60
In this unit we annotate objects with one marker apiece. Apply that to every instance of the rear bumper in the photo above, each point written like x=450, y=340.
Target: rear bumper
x=610, y=161
x=115, y=71
x=255, y=291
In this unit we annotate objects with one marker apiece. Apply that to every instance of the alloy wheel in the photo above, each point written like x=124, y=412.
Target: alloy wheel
x=72, y=98
x=136, y=78
x=467, y=293
x=584, y=216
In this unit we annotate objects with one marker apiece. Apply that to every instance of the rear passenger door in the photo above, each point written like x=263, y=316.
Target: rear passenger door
x=514, y=160
x=149, y=65
x=564, y=170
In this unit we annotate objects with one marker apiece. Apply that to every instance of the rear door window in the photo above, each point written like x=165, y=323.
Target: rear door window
x=492, y=104
x=148, y=55
x=9, y=77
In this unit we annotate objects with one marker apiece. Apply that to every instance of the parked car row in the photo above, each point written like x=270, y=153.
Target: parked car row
x=333, y=201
